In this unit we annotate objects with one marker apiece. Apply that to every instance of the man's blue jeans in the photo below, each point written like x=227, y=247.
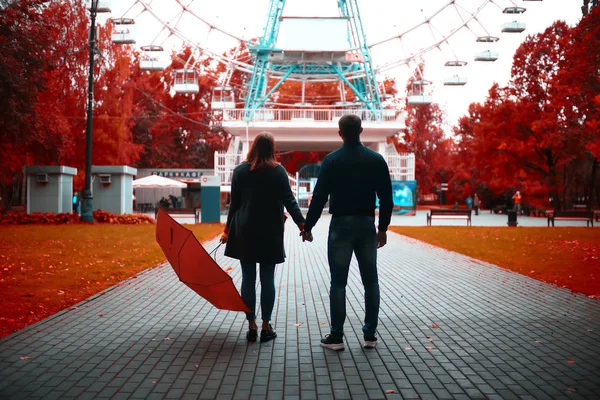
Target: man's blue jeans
x=267, y=291
x=353, y=235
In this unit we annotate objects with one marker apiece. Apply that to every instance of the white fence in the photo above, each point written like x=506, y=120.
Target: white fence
x=402, y=168
x=309, y=114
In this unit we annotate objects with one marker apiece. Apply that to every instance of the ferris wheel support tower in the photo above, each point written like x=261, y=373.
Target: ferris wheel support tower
x=284, y=55
x=310, y=49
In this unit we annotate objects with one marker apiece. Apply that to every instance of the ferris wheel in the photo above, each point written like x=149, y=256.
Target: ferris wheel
x=379, y=36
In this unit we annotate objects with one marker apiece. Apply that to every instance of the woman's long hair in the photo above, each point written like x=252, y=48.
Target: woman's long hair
x=262, y=152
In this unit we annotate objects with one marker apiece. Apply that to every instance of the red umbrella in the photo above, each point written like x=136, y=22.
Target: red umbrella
x=194, y=266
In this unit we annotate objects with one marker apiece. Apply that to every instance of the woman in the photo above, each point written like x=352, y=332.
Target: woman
x=260, y=188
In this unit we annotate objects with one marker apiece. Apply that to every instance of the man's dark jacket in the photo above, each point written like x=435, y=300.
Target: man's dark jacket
x=352, y=177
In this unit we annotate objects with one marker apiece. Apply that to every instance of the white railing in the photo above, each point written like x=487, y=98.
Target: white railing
x=225, y=163
x=308, y=114
x=294, y=184
x=402, y=166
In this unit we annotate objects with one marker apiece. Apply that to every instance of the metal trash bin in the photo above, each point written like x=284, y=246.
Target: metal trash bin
x=210, y=197
x=512, y=217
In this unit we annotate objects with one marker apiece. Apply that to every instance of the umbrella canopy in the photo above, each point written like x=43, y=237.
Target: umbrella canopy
x=194, y=266
x=155, y=181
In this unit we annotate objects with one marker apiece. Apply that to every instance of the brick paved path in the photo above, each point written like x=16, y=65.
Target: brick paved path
x=500, y=335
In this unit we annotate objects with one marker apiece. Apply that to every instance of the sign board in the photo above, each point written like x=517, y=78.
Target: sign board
x=313, y=34
x=178, y=174
x=210, y=181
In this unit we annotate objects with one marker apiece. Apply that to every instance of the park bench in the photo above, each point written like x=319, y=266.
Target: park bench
x=445, y=213
x=194, y=212
x=572, y=215
x=538, y=212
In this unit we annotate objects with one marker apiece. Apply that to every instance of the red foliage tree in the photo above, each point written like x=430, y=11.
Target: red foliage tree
x=424, y=136
x=23, y=61
x=520, y=139
x=578, y=91
x=176, y=130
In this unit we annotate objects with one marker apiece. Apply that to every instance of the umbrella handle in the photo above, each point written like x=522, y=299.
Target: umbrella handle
x=213, y=252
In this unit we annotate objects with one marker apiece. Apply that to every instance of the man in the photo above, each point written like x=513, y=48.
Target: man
x=517, y=198
x=351, y=177
x=476, y=204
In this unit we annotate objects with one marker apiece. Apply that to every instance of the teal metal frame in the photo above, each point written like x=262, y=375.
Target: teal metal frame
x=365, y=88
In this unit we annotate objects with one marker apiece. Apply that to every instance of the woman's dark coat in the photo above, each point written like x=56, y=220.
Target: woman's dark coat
x=255, y=221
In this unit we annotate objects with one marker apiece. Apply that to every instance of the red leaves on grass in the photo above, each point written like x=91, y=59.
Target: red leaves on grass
x=15, y=218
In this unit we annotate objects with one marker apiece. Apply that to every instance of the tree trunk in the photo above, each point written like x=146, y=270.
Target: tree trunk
x=590, y=202
x=553, y=181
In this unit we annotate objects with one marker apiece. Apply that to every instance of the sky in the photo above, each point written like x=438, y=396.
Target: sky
x=381, y=19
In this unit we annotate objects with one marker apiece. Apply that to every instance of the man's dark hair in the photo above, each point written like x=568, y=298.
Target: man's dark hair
x=350, y=126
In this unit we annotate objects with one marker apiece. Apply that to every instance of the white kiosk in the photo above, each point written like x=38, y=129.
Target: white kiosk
x=50, y=188
x=112, y=188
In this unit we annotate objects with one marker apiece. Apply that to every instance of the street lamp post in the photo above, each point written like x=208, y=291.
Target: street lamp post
x=86, y=204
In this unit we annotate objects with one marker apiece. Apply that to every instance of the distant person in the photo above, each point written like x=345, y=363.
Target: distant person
x=352, y=177
x=260, y=189
x=76, y=203
x=470, y=203
x=517, y=199
x=476, y=204
x=164, y=203
x=174, y=201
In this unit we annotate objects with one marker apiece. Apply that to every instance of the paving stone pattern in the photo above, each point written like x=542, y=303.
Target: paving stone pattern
x=450, y=327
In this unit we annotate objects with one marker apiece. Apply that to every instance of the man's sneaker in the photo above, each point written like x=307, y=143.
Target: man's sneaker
x=332, y=343
x=370, y=342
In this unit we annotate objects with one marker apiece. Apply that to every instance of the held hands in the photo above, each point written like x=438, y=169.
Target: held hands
x=381, y=239
x=306, y=236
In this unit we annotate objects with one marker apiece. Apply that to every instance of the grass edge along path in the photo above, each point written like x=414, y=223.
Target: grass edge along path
x=565, y=257
x=48, y=268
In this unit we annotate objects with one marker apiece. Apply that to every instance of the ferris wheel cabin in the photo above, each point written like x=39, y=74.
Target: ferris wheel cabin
x=487, y=55
x=222, y=97
x=418, y=93
x=151, y=60
x=455, y=63
x=514, y=10
x=455, y=81
x=186, y=81
x=123, y=31
x=513, y=27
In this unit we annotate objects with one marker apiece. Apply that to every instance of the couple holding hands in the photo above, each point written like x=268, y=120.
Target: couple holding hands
x=350, y=178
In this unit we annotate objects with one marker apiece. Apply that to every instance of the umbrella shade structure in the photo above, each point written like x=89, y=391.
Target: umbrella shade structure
x=195, y=267
x=155, y=181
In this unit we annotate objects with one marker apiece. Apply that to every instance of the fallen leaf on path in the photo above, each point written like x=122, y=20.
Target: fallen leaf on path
x=435, y=326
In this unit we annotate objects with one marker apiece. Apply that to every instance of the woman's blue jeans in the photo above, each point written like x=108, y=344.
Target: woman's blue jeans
x=267, y=292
